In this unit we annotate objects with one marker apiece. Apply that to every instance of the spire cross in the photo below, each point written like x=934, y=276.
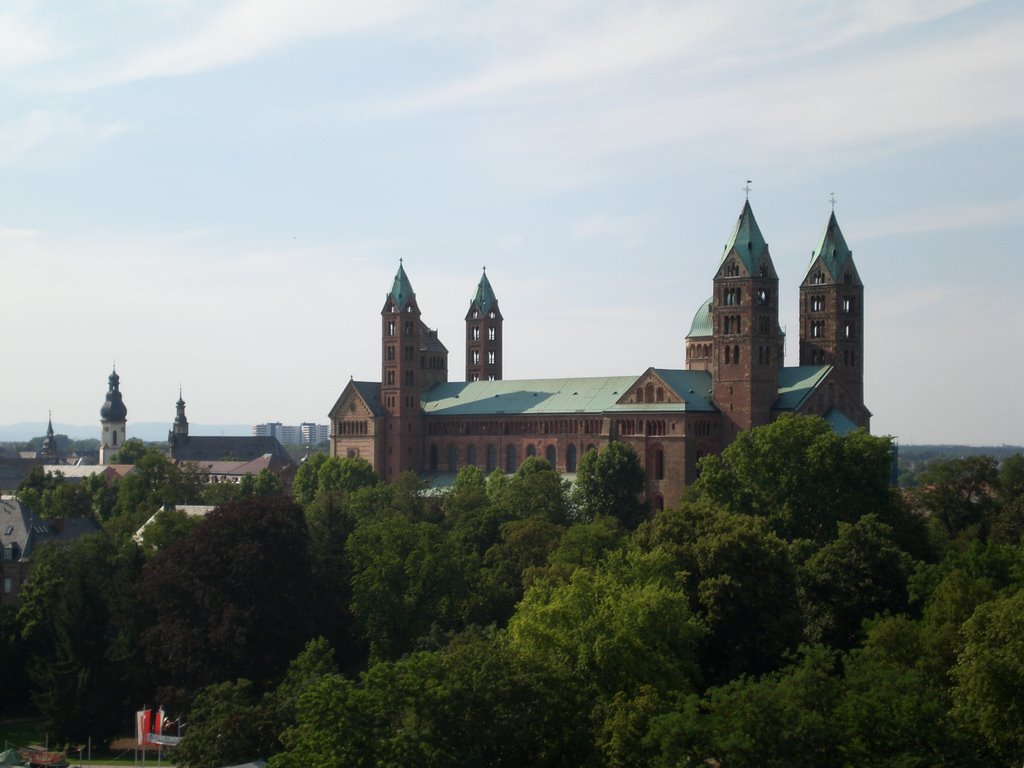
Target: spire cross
x=832, y=199
x=746, y=188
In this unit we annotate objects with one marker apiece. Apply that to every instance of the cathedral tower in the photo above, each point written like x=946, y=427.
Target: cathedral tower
x=113, y=419
x=413, y=360
x=747, y=344
x=483, y=334
x=48, y=451
x=832, y=312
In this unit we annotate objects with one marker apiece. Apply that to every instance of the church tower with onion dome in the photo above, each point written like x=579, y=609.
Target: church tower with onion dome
x=113, y=419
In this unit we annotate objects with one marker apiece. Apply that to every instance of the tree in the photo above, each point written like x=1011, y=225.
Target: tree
x=406, y=577
x=741, y=583
x=609, y=484
x=346, y=475
x=78, y=618
x=166, y=527
x=307, y=478
x=988, y=690
x=131, y=451
x=959, y=493
x=801, y=476
x=263, y=484
x=860, y=574
x=227, y=724
x=617, y=627
x=232, y=599
x=13, y=667
x=535, y=489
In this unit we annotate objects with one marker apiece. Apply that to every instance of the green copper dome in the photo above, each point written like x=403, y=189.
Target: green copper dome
x=701, y=325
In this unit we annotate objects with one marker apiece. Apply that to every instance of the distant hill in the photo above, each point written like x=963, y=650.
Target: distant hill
x=148, y=431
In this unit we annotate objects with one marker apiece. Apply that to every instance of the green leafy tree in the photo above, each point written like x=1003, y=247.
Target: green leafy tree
x=535, y=489
x=860, y=574
x=167, y=526
x=617, y=627
x=741, y=583
x=345, y=475
x=988, y=677
x=131, y=451
x=79, y=621
x=609, y=484
x=959, y=494
x=307, y=478
x=406, y=577
x=228, y=724
x=263, y=484
x=800, y=476
x=13, y=667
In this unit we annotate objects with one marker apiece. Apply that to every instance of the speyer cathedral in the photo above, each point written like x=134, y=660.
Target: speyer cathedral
x=734, y=379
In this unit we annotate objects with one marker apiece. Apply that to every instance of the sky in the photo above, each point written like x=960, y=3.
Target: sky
x=216, y=195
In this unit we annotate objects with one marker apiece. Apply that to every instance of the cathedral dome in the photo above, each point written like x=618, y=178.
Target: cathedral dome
x=701, y=325
x=113, y=407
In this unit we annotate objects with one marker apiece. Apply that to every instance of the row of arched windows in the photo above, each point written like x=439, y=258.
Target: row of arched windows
x=732, y=354
x=347, y=428
x=650, y=394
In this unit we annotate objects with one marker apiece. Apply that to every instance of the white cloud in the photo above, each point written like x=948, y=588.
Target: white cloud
x=245, y=30
x=21, y=135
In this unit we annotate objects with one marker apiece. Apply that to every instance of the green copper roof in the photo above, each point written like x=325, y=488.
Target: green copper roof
x=701, y=325
x=832, y=249
x=401, y=288
x=796, y=385
x=484, y=297
x=562, y=396
x=841, y=423
x=746, y=239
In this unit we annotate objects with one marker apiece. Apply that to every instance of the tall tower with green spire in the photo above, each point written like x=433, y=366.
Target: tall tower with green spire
x=747, y=345
x=832, y=314
x=413, y=360
x=483, y=334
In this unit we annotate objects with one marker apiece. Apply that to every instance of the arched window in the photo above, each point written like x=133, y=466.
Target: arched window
x=736, y=354
x=649, y=393
x=471, y=456
x=639, y=394
x=660, y=395
x=728, y=355
x=510, y=461
x=531, y=450
x=570, y=459
x=551, y=454
x=433, y=458
x=659, y=464
x=492, y=458
x=659, y=503
x=453, y=458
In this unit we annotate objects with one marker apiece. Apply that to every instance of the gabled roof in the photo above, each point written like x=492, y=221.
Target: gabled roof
x=369, y=392
x=746, y=240
x=834, y=253
x=429, y=341
x=199, y=448
x=484, y=297
x=796, y=385
x=401, y=288
x=19, y=526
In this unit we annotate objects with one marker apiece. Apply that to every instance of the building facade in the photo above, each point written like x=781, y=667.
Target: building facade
x=734, y=379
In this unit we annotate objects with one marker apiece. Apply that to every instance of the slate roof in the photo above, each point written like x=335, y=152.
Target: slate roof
x=18, y=526
x=370, y=392
x=201, y=448
x=746, y=239
x=797, y=383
